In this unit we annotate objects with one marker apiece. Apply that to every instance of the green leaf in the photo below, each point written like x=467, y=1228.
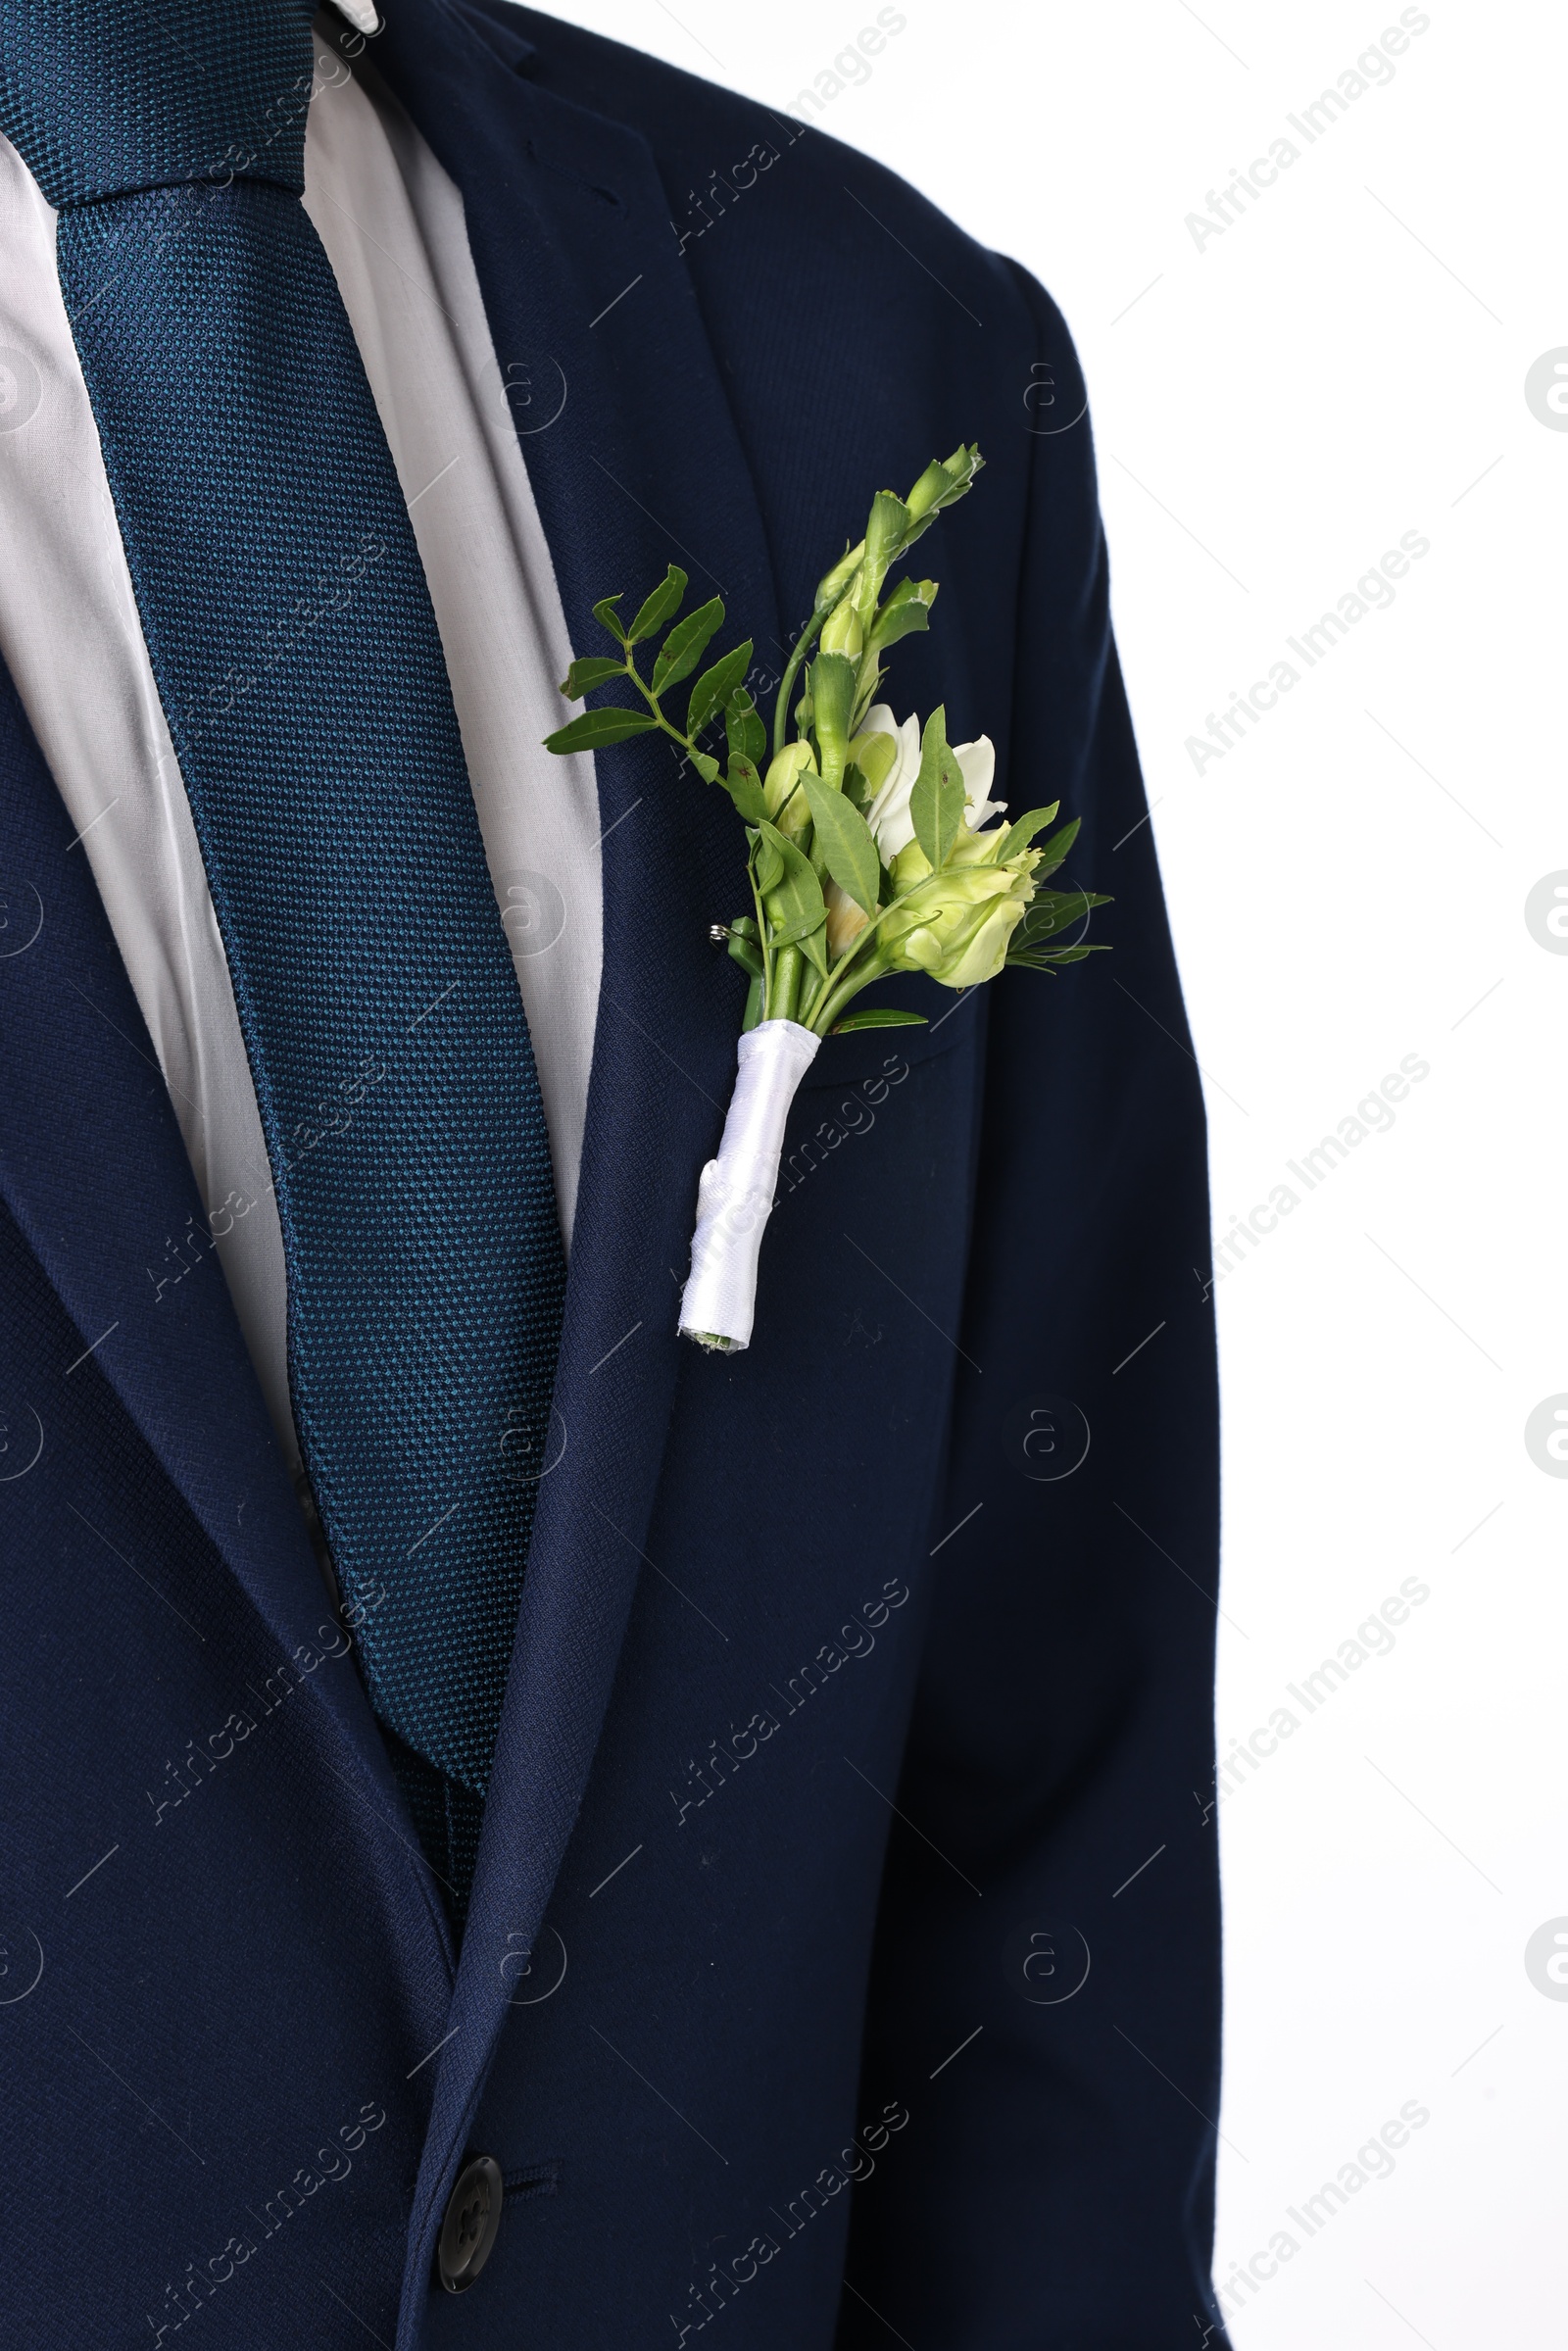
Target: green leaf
x=1052, y=910
x=744, y=788
x=707, y=768
x=582, y=677
x=856, y=791
x=936, y=803
x=905, y=611
x=884, y=1016
x=715, y=687
x=661, y=606
x=844, y=840
x=1052, y=853
x=1018, y=836
x=794, y=903
x=747, y=734
x=767, y=866
x=1042, y=958
x=598, y=728
x=606, y=614
x=1047, y=913
x=682, y=648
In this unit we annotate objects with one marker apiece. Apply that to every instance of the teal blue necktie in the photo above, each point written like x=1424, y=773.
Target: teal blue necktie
x=301, y=673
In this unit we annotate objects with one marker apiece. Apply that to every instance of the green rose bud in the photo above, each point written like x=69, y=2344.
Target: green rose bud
x=956, y=924
x=885, y=534
x=830, y=682
x=842, y=630
x=831, y=586
x=942, y=485
x=928, y=490
x=786, y=806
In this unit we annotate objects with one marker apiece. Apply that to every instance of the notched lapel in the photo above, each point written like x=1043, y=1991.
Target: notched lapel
x=635, y=463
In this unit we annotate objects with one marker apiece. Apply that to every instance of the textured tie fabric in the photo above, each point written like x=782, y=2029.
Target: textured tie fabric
x=300, y=669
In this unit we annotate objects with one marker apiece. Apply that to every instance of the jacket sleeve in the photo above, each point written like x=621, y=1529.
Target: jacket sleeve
x=1045, y=1995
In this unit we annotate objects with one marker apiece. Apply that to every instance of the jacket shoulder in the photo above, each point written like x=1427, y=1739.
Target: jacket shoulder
x=708, y=142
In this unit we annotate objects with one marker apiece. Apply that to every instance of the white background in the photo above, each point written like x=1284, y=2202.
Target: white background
x=1273, y=409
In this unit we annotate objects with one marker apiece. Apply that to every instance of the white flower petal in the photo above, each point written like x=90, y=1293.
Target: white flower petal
x=977, y=765
x=846, y=919
x=891, y=826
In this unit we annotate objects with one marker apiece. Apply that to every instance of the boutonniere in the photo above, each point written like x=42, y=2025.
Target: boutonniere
x=869, y=848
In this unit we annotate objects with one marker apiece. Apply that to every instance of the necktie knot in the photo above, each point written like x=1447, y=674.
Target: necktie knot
x=104, y=97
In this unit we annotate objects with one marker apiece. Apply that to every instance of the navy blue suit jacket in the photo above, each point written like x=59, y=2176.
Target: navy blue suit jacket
x=842, y=1963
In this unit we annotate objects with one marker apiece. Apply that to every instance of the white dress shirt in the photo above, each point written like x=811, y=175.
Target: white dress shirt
x=392, y=223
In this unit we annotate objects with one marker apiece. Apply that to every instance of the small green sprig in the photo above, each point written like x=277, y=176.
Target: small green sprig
x=953, y=902
x=719, y=687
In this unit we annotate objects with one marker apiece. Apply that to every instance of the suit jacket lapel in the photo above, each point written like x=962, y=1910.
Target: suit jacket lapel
x=93, y=1170
x=634, y=463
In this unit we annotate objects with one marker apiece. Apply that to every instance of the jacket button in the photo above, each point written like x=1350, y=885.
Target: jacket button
x=473, y=2219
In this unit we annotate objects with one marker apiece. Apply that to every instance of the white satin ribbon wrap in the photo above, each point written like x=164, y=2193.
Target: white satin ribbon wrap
x=735, y=1191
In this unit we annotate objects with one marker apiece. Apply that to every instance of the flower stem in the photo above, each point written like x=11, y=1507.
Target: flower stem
x=803, y=646
x=784, y=997
x=762, y=940
x=651, y=697
x=843, y=986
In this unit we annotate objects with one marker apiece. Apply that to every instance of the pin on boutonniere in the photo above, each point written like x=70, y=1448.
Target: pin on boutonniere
x=870, y=850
